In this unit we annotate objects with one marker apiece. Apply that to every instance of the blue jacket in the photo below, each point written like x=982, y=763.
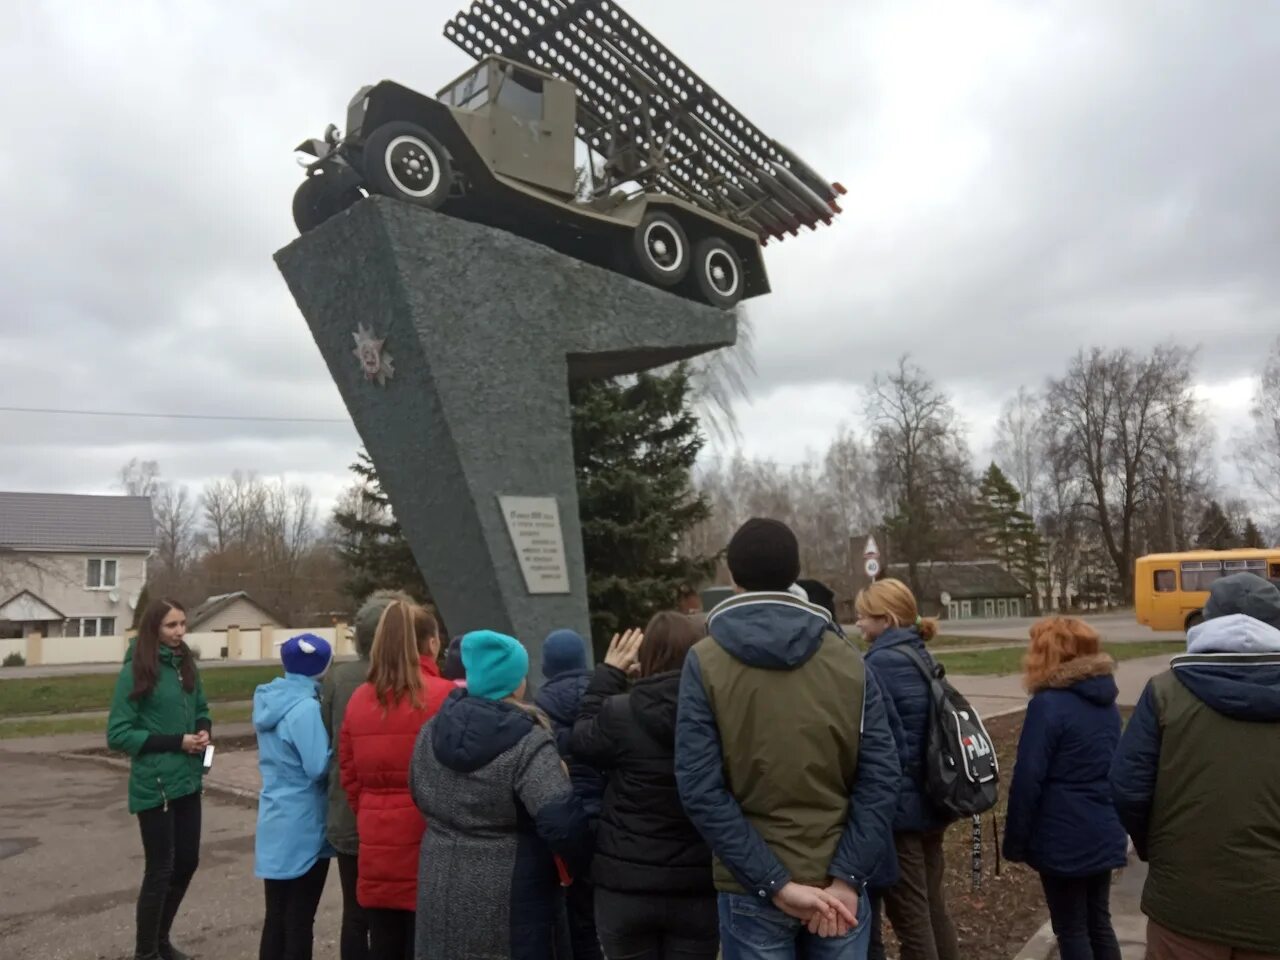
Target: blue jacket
x=293, y=756
x=777, y=633
x=1060, y=819
x=560, y=699
x=908, y=703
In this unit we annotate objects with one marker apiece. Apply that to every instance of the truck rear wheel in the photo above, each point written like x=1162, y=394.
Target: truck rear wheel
x=717, y=273
x=404, y=161
x=661, y=249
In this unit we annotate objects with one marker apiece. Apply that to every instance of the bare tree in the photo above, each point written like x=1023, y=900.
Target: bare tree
x=922, y=465
x=1119, y=424
x=720, y=377
x=176, y=528
x=1020, y=445
x=139, y=478
x=1258, y=451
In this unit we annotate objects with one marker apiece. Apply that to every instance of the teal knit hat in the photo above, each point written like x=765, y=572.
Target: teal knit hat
x=496, y=664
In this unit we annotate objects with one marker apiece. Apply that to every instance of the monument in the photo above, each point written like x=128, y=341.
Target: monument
x=458, y=268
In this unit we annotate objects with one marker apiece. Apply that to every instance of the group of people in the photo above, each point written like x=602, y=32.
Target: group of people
x=744, y=785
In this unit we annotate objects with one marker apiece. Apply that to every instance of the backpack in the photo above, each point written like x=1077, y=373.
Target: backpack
x=961, y=770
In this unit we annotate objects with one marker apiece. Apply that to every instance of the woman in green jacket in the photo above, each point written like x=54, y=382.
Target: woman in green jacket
x=159, y=717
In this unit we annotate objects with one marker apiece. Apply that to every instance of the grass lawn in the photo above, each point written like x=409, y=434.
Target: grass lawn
x=1010, y=660
x=52, y=726
x=77, y=693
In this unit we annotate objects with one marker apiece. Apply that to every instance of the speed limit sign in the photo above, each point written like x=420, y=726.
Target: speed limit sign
x=872, y=566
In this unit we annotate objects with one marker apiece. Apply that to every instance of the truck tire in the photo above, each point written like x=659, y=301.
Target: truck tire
x=404, y=161
x=718, y=277
x=661, y=249
x=321, y=196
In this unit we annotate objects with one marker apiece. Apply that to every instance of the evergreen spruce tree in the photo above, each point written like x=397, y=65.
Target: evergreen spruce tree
x=372, y=546
x=1216, y=531
x=635, y=441
x=1253, y=538
x=1006, y=533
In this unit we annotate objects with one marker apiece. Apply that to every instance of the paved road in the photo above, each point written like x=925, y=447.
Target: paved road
x=71, y=861
x=1118, y=627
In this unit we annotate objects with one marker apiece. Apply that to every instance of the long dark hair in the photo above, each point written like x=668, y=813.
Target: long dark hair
x=146, y=652
x=668, y=638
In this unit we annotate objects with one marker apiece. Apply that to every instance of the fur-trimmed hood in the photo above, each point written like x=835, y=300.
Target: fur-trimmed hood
x=1091, y=677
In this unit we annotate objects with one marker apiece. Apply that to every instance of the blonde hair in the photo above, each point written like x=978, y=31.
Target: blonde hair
x=1055, y=641
x=893, y=600
x=395, y=668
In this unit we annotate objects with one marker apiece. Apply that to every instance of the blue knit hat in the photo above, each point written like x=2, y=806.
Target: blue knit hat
x=306, y=655
x=496, y=664
x=564, y=651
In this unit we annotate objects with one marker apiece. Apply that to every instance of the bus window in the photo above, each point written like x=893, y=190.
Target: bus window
x=1166, y=581
x=1275, y=573
x=1198, y=575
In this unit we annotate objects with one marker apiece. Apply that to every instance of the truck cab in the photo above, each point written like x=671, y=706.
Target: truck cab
x=521, y=122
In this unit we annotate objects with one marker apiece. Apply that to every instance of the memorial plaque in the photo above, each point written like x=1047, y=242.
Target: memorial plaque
x=534, y=526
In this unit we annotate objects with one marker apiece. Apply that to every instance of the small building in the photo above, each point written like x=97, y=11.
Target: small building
x=967, y=590
x=72, y=565
x=231, y=610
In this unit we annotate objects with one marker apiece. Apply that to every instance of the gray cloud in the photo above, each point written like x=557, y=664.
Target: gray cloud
x=1024, y=179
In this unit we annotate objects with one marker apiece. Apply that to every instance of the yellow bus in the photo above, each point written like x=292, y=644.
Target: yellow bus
x=1170, y=589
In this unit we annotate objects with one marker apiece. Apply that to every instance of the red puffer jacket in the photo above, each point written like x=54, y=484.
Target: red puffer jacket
x=374, y=753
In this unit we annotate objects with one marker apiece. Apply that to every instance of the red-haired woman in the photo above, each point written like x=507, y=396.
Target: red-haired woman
x=1061, y=821
x=159, y=717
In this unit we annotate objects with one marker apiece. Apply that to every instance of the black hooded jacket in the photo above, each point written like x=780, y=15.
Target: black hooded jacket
x=644, y=841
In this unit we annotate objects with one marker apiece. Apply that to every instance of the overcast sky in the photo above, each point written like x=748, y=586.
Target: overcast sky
x=1025, y=178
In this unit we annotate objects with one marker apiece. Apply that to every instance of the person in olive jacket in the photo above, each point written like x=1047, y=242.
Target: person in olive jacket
x=652, y=870
x=160, y=718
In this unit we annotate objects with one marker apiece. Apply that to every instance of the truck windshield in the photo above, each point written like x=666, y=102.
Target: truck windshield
x=471, y=91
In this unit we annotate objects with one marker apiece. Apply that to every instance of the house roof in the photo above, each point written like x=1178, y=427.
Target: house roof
x=26, y=607
x=215, y=605
x=63, y=521
x=964, y=580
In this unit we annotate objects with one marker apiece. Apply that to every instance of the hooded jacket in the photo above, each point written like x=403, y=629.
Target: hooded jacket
x=1196, y=782
x=784, y=757
x=150, y=731
x=489, y=780
x=340, y=684
x=645, y=842
x=1060, y=819
x=559, y=698
x=293, y=757
x=375, y=747
x=909, y=705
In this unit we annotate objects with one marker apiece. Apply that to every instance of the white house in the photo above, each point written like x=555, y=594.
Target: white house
x=72, y=565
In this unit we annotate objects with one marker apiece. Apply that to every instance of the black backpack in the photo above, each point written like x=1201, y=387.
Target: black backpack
x=961, y=770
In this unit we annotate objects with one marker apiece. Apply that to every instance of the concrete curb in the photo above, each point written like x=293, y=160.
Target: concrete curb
x=1041, y=946
x=227, y=792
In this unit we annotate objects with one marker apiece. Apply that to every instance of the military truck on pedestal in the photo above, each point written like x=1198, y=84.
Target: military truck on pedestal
x=674, y=187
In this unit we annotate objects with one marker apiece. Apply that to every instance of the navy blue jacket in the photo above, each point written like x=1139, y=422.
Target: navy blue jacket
x=909, y=703
x=1060, y=819
x=560, y=699
x=781, y=634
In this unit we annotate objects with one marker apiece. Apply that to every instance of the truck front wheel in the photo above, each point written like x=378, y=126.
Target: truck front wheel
x=661, y=250
x=404, y=161
x=320, y=196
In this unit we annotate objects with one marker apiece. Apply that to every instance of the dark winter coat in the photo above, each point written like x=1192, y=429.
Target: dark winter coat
x=1196, y=782
x=340, y=683
x=1060, y=819
x=909, y=703
x=560, y=699
x=375, y=748
x=784, y=757
x=150, y=731
x=644, y=840
x=489, y=780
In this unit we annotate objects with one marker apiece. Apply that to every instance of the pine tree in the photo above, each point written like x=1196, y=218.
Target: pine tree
x=1216, y=531
x=372, y=546
x=635, y=441
x=1253, y=537
x=1006, y=532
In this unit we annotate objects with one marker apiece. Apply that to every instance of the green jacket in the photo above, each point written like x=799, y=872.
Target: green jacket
x=340, y=683
x=150, y=731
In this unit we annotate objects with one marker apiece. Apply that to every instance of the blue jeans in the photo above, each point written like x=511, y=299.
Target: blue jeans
x=752, y=928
